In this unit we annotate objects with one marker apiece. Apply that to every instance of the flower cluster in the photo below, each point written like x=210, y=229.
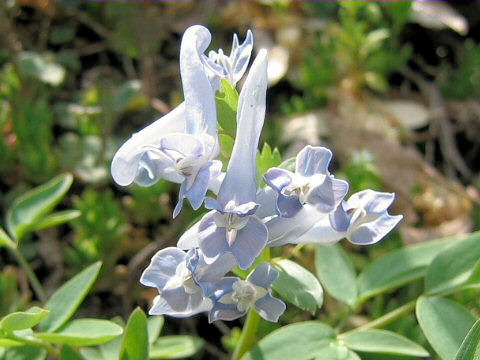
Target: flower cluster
x=304, y=206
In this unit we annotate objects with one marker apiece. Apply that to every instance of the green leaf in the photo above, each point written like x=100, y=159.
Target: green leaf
x=227, y=103
x=68, y=353
x=454, y=265
x=444, y=322
x=382, y=342
x=66, y=300
x=83, y=332
x=56, y=219
x=470, y=347
x=398, y=268
x=154, y=325
x=226, y=148
x=288, y=164
x=267, y=158
x=6, y=343
x=336, y=352
x=5, y=240
x=31, y=207
x=336, y=272
x=300, y=341
x=298, y=286
x=92, y=354
x=135, y=344
x=176, y=347
x=26, y=352
x=23, y=320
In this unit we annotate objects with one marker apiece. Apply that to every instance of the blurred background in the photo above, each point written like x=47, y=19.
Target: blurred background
x=393, y=88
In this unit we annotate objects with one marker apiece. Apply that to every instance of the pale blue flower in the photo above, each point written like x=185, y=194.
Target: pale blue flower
x=233, y=297
x=230, y=67
x=233, y=226
x=177, y=276
x=311, y=183
x=363, y=220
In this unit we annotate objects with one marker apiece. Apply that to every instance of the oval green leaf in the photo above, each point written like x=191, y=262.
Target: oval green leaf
x=336, y=273
x=300, y=341
x=176, y=347
x=33, y=205
x=83, y=332
x=398, y=268
x=336, y=352
x=382, y=342
x=135, y=344
x=55, y=219
x=298, y=286
x=23, y=319
x=68, y=353
x=227, y=103
x=154, y=325
x=66, y=300
x=470, y=347
x=26, y=352
x=454, y=265
x=445, y=324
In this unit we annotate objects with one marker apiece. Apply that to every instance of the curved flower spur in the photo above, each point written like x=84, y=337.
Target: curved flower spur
x=233, y=226
x=180, y=147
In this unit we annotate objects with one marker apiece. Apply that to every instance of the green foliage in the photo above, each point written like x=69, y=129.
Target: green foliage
x=98, y=231
x=336, y=273
x=361, y=173
x=23, y=320
x=310, y=337
x=83, y=332
x=40, y=67
x=398, y=268
x=268, y=158
x=382, y=342
x=470, y=348
x=227, y=103
x=298, y=286
x=29, y=212
x=445, y=324
x=135, y=344
x=66, y=300
x=176, y=347
x=455, y=266
x=463, y=81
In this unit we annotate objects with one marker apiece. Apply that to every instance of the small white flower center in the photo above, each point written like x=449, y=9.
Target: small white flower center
x=244, y=295
x=232, y=223
x=301, y=186
x=184, y=277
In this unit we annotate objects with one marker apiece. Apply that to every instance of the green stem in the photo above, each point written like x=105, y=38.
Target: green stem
x=389, y=317
x=249, y=331
x=250, y=327
x=51, y=350
x=36, y=285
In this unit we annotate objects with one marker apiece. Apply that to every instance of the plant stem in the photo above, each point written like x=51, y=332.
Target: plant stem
x=51, y=350
x=36, y=285
x=249, y=331
x=389, y=317
x=247, y=339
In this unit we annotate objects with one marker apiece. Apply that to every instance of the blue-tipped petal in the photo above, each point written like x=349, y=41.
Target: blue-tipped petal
x=200, y=109
x=339, y=219
x=221, y=311
x=210, y=273
x=240, y=56
x=328, y=195
x=372, y=232
x=240, y=181
x=266, y=198
x=288, y=205
x=212, y=239
x=270, y=308
x=161, y=307
x=278, y=178
x=162, y=267
x=250, y=242
x=264, y=275
x=313, y=160
x=125, y=163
